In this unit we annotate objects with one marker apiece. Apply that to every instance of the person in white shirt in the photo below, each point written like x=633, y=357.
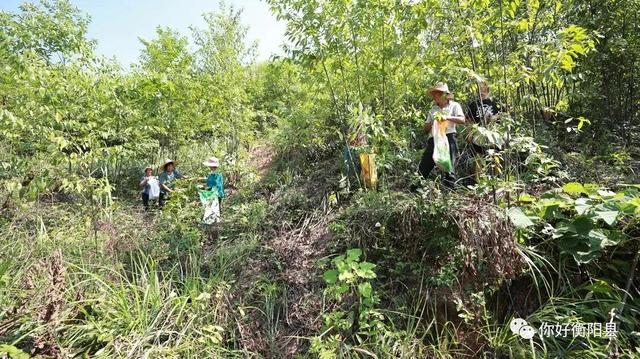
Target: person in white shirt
x=446, y=109
x=150, y=187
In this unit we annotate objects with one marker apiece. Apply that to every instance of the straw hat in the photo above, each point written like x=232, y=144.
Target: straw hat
x=148, y=168
x=212, y=162
x=440, y=87
x=167, y=162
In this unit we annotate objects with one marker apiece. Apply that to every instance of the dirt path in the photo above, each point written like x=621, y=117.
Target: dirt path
x=290, y=253
x=261, y=158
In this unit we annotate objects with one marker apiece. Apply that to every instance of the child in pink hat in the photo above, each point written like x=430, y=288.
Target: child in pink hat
x=215, y=179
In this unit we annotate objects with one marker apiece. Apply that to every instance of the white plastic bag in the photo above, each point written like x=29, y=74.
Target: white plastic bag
x=441, y=155
x=209, y=200
x=154, y=188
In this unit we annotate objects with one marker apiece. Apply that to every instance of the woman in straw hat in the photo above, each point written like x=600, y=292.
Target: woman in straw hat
x=166, y=178
x=448, y=110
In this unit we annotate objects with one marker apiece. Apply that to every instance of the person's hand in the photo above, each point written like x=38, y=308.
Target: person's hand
x=427, y=127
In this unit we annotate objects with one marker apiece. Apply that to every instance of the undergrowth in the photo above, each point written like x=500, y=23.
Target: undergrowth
x=302, y=267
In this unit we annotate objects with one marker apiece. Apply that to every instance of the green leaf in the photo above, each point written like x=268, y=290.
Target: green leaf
x=365, y=289
x=609, y=217
x=582, y=205
x=567, y=62
x=354, y=254
x=518, y=218
x=574, y=188
x=367, y=266
x=345, y=276
x=606, y=194
x=586, y=257
x=599, y=286
x=343, y=288
x=526, y=198
x=616, y=237
x=582, y=225
x=591, y=188
x=550, y=212
x=13, y=352
x=596, y=238
x=365, y=270
x=331, y=276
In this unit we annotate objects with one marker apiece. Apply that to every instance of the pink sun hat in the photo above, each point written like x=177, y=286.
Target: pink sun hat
x=212, y=162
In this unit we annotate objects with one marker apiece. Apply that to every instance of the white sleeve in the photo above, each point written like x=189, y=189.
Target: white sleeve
x=457, y=110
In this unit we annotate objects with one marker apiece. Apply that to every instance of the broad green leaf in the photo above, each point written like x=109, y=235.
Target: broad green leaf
x=525, y=197
x=582, y=205
x=567, y=62
x=596, y=238
x=591, y=188
x=331, y=276
x=365, y=289
x=582, y=224
x=632, y=206
x=354, y=254
x=518, y=218
x=522, y=25
x=550, y=212
x=364, y=270
x=606, y=194
x=367, y=266
x=343, y=288
x=574, y=188
x=346, y=276
x=615, y=237
x=609, y=217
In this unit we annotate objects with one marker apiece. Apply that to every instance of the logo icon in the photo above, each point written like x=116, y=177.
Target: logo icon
x=520, y=327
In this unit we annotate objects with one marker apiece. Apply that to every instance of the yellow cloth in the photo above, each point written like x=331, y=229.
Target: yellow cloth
x=369, y=174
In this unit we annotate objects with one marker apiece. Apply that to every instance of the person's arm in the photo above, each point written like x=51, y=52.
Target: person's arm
x=220, y=185
x=179, y=175
x=456, y=119
x=457, y=116
x=144, y=182
x=165, y=188
x=208, y=182
x=429, y=123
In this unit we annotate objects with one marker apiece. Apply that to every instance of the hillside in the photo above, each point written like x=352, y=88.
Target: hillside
x=522, y=242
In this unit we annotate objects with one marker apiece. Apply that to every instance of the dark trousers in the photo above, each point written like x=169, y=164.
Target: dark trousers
x=145, y=200
x=427, y=163
x=162, y=199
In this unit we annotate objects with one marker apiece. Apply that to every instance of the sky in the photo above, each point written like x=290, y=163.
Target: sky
x=117, y=24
